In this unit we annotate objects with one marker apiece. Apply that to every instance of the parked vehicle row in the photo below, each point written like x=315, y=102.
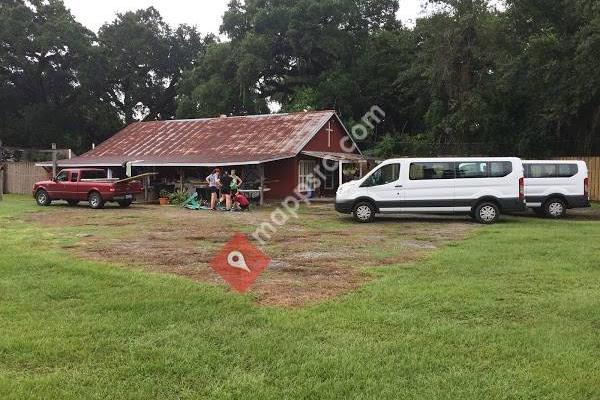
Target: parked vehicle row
x=86, y=184
x=480, y=187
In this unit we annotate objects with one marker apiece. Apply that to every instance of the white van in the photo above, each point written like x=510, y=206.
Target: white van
x=552, y=186
x=481, y=187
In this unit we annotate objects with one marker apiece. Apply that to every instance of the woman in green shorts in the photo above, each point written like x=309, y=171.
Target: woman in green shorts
x=236, y=182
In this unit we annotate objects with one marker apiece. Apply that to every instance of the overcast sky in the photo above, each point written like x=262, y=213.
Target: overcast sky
x=205, y=14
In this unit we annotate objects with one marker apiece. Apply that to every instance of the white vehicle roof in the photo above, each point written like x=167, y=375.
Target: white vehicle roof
x=450, y=159
x=579, y=162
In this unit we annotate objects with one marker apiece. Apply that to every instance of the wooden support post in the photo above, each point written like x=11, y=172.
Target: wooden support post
x=181, y=179
x=341, y=172
x=146, y=184
x=54, y=167
x=262, y=184
x=1, y=182
x=360, y=169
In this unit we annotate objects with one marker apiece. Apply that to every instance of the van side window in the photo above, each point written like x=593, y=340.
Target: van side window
x=471, y=169
x=540, y=171
x=74, y=176
x=431, y=170
x=387, y=174
x=483, y=169
x=499, y=169
x=567, y=170
x=550, y=170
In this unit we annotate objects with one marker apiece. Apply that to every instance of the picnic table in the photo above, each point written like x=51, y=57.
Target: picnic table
x=253, y=192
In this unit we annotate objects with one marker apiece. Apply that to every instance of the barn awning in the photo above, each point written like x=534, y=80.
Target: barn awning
x=344, y=157
x=150, y=161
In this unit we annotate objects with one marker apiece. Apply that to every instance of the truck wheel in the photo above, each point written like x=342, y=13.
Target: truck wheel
x=555, y=208
x=363, y=212
x=73, y=203
x=125, y=203
x=486, y=213
x=42, y=198
x=95, y=200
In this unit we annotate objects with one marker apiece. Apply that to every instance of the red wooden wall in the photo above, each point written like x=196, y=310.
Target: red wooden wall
x=319, y=142
x=282, y=175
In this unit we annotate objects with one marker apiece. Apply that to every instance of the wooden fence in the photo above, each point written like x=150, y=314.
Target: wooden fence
x=19, y=177
x=593, y=164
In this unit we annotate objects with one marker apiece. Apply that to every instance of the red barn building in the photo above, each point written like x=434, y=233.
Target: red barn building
x=272, y=153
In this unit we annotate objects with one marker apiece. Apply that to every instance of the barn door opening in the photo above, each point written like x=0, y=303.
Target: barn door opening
x=330, y=174
x=306, y=172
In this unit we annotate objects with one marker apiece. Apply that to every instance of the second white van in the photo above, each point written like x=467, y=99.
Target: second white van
x=481, y=187
x=552, y=186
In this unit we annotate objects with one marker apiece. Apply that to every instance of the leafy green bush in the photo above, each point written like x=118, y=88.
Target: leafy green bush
x=178, y=197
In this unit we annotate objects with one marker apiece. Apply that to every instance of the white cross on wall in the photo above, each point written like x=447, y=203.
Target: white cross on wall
x=329, y=130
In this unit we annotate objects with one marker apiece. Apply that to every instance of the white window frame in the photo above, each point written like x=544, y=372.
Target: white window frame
x=306, y=169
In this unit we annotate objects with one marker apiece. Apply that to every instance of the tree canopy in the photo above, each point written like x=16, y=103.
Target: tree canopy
x=468, y=78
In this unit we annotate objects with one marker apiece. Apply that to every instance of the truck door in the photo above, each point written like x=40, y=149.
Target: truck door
x=57, y=188
x=70, y=186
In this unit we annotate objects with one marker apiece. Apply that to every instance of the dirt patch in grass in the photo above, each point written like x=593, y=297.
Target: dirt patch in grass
x=590, y=214
x=576, y=214
x=318, y=256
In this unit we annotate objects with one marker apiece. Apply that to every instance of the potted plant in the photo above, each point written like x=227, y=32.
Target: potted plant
x=163, y=197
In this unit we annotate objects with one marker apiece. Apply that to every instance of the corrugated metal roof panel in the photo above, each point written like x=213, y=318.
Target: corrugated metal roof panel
x=329, y=155
x=248, y=139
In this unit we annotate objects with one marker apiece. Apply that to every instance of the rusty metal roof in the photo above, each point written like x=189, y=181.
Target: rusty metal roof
x=336, y=156
x=210, y=141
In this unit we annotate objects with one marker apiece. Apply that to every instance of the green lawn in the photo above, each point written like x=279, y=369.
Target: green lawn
x=513, y=312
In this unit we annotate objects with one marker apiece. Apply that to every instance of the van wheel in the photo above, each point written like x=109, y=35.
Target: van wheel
x=42, y=198
x=554, y=208
x=95, y=200
x=487, y=213
x=363, y=212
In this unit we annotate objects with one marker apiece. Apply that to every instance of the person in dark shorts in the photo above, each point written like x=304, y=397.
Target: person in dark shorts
x=225, y=181
x=213, y=188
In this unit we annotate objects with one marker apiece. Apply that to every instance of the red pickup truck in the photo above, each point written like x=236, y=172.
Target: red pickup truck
x=86, y=184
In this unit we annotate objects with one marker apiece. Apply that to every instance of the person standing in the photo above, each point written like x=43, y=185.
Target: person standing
x=213, y=180
x=225, y=181
x=236, y=182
